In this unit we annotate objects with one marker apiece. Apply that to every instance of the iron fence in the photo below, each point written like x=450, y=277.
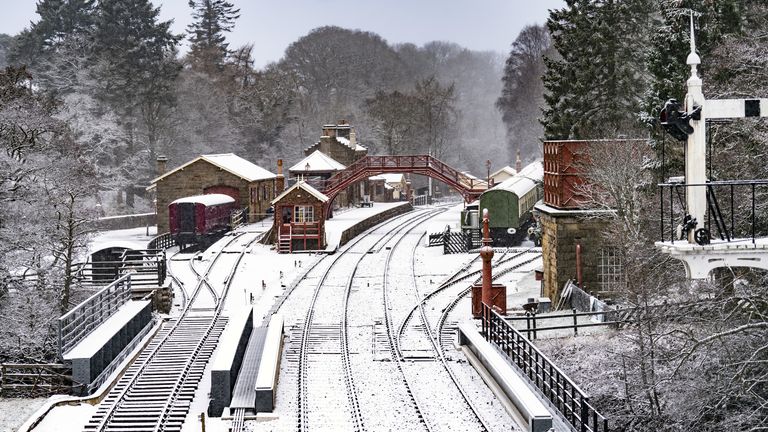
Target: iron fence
x=572, y=402
x=732, y=209
x=532, y=327
x=78, y=323
x=162, y=242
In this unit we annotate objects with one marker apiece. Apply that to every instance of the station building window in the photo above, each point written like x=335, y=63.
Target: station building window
x=610, y=270
x=304, y=214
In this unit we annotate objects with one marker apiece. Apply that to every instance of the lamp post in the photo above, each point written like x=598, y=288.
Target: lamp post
x=488, y=172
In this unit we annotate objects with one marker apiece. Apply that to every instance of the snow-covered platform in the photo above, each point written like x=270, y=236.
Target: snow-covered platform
x=483, y=355
x=96, y=352
x=700, y=260
x=348, y=223
x=229, y=358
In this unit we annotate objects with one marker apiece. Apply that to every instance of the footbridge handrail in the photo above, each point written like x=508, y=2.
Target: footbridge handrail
x=427, y=165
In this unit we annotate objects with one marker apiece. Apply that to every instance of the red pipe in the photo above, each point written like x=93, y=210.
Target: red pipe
x=578, y=265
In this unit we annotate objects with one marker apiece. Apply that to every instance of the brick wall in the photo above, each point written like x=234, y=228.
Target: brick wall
x=561, y=232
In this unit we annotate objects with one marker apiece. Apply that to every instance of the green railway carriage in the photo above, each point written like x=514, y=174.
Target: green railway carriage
x=510, y=203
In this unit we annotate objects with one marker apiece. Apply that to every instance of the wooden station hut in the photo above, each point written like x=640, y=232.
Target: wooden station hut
x=300, y=218
x=252, y=186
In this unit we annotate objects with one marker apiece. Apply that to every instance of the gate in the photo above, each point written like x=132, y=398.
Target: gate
x=455, y=242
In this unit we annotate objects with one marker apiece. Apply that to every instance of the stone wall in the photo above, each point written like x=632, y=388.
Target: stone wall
x=561, y=232
x=195, y=178
x=363, y=225
x=123, y=222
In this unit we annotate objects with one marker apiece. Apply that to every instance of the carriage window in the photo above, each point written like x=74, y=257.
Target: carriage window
x=303, y=214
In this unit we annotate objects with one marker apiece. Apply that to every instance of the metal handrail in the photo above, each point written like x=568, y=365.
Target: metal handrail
x=572, y=402
x=78, y=323
x=721, y=214
x=162, y=241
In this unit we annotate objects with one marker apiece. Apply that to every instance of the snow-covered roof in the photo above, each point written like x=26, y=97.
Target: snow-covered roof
x=347, y=143
x=391, y=177
x=468, y=174
x=523, y=181
x=207, y=199
x=317, y=161
x=304, y=186
x=505, y=170
x=230, y=162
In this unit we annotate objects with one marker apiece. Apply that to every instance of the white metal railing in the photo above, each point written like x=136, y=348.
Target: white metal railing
x=79, y=322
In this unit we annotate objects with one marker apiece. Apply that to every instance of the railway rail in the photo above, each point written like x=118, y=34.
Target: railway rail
x=156, y=391
x=319, y=336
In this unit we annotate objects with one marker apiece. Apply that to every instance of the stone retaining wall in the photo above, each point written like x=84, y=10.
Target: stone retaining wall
x=364, y=224
x=124, y=222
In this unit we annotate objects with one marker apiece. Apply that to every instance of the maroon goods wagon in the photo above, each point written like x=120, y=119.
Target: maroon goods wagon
x=200, y=219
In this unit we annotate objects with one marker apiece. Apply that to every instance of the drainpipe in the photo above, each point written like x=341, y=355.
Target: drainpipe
x=578, y=265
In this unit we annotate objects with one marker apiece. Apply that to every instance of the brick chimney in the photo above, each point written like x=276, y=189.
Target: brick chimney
x=518, y=162
x=162, y=161
x=280, y=179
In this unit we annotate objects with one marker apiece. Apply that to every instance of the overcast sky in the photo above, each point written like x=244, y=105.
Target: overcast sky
x=271, y=25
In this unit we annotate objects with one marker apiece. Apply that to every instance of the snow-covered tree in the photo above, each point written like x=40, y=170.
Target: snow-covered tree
x=135, y=70
x=594, y=85
x=522, y=96
x=212, y=19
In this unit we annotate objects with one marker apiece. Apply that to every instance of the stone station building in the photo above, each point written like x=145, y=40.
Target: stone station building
x=251, y=186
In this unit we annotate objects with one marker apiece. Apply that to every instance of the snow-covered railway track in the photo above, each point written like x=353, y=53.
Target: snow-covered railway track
x=157, y=389
x=324, y=341
x=444, y=403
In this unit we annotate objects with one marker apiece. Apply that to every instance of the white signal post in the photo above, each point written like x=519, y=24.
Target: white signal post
x=696, y=155
x=696, y=151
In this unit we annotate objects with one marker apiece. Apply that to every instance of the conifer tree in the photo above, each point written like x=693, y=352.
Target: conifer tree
x=595, y=84
x=212, y=18
x=136, y=68
x=48, y=43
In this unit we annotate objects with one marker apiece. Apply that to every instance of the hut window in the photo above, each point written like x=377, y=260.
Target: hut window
x=304, y=214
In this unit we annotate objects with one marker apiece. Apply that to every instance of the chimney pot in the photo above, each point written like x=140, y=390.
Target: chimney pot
x=161, y=164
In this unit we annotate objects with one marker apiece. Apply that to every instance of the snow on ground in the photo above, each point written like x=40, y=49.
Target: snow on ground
x=13, y=412
x=335, y=226
x=262, y=277
x=133, y=238
x=66, y=417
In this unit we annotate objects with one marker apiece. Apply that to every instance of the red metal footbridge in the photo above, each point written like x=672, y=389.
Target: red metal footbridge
x=469, y=187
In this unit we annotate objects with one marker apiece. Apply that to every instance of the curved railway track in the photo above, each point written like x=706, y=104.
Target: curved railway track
x=447, y=309
x=317, y=336
x=156, y=391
